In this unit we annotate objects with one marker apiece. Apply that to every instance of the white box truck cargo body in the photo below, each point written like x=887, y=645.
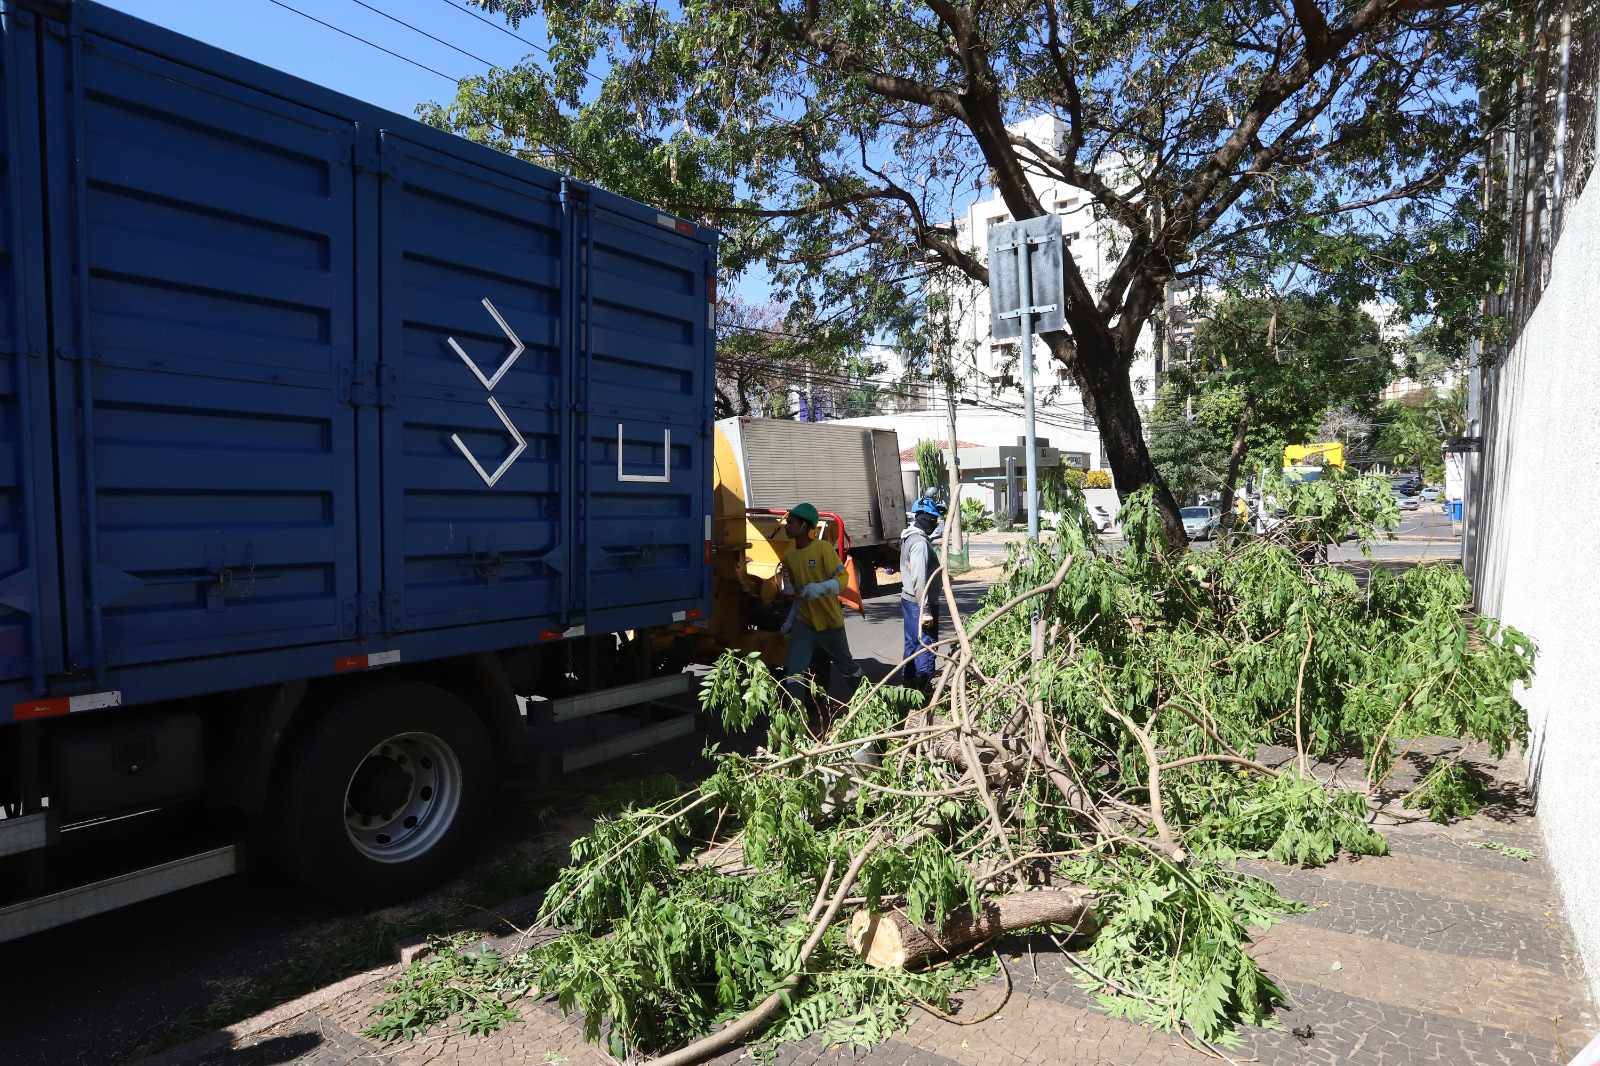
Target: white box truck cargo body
x=853, y=471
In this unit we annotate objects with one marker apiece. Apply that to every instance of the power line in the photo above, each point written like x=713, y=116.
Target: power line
x=536, y=47
x=498, y=26
x=424, y=33
x=364, y=41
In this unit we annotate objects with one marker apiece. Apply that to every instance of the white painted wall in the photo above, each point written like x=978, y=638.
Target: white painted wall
x=1535, y=552
x=985, y=428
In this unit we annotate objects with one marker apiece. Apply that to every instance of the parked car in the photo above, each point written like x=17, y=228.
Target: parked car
x=1431, y=493
x=1200, y=523
x=1407, y=503
x=1408, y=487
x=1098, y=515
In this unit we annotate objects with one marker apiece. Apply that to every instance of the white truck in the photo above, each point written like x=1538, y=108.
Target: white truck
x=852, y=471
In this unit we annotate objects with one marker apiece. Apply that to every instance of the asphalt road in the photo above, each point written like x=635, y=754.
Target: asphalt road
x=1425, y=534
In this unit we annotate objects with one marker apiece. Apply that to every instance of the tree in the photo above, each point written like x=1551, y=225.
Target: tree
x=767, y=353
x=930, y=465
x=1188, y=454
x=1414, y=427
x=834, y=141
x=1265, y=371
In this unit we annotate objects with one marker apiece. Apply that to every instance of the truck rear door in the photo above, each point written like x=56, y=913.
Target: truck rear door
x=891, y=487
x=648, y=298
x=477, y=316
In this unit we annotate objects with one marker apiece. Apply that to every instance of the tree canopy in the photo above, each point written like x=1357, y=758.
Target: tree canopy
x=1263, y=372
x=775, y=362
x=834, y=142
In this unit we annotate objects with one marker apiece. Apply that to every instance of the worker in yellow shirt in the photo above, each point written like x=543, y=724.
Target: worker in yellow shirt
x=816, y=620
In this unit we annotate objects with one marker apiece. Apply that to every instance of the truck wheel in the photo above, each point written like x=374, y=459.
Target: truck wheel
x=866, y=573
x=381, y=793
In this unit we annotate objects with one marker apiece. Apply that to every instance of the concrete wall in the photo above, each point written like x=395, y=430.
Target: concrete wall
x=1533, y=548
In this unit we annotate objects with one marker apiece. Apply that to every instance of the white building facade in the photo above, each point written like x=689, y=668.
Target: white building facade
x=990, y=370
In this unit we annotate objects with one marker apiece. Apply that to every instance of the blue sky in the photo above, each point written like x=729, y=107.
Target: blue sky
x=272, y=34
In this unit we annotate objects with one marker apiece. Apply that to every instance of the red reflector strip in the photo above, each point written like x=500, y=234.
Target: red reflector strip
x=684, y=227
x=561, y=634
x=549, y=634
x=711, y=288
x=708, y=553
x=89, y=701
x=686, y=616
x=361, y=662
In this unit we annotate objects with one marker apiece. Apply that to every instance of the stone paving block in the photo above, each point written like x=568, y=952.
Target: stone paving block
x=1416, y=919
x=1484, y=991
x=1360, y=1031
x=1517, y=890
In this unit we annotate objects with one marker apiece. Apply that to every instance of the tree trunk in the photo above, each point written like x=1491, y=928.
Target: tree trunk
x=890, y=941
x=1108, y=394
x=1234, y=457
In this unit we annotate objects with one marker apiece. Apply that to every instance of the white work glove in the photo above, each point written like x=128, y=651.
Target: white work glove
x=815, y=589
x=788, y=623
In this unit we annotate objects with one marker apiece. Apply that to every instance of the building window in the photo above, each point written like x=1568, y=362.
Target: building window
x=1063, y=206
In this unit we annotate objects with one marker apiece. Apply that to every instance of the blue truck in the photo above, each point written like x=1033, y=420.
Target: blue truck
x=327, y=440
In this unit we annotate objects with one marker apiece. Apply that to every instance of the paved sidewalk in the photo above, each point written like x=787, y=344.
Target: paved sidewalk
x=1439, y=952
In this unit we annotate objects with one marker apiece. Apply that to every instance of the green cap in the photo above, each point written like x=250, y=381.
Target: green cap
x=806, y=513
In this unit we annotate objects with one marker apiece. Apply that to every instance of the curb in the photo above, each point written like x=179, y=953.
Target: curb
x=405, y=952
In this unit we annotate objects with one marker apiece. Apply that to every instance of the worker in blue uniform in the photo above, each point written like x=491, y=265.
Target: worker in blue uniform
x=919, y=603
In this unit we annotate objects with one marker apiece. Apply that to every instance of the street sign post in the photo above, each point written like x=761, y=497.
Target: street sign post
x=1026, y=293
x=1025, y=296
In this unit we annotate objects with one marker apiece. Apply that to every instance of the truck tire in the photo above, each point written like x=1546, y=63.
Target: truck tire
x=866, y=573
x=381, y=792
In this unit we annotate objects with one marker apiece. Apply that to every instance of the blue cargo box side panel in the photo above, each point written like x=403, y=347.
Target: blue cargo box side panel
x=30, y=622
x=327, y=382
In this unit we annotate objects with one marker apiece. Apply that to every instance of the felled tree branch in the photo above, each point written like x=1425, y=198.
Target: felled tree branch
x=754, y=1020
x=893, y=941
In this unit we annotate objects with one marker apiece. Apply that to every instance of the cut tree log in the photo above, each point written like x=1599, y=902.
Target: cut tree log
x=891, y=941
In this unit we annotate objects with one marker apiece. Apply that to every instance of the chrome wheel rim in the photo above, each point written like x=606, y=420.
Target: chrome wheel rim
x=403, y=797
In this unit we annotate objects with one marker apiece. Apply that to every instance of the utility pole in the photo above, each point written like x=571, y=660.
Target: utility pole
x=942, y=355
x=954, y=472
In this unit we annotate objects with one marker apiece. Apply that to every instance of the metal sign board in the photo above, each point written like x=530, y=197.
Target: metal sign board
x=1040, y=240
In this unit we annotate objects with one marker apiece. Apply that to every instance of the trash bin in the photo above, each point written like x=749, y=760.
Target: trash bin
x=1455, y=510
x=961, y=561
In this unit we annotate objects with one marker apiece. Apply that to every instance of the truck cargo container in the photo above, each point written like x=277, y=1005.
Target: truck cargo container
x=851, y=470
x=325, y=436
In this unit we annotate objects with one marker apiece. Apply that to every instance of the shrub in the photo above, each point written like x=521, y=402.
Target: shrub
x=1086, y=479
x=974, y=516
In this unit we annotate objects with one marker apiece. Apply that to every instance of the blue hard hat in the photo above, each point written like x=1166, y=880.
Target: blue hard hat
x=927, y=505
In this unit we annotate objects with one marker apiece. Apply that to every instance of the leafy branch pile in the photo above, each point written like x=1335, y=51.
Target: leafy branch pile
x=1099, y=780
